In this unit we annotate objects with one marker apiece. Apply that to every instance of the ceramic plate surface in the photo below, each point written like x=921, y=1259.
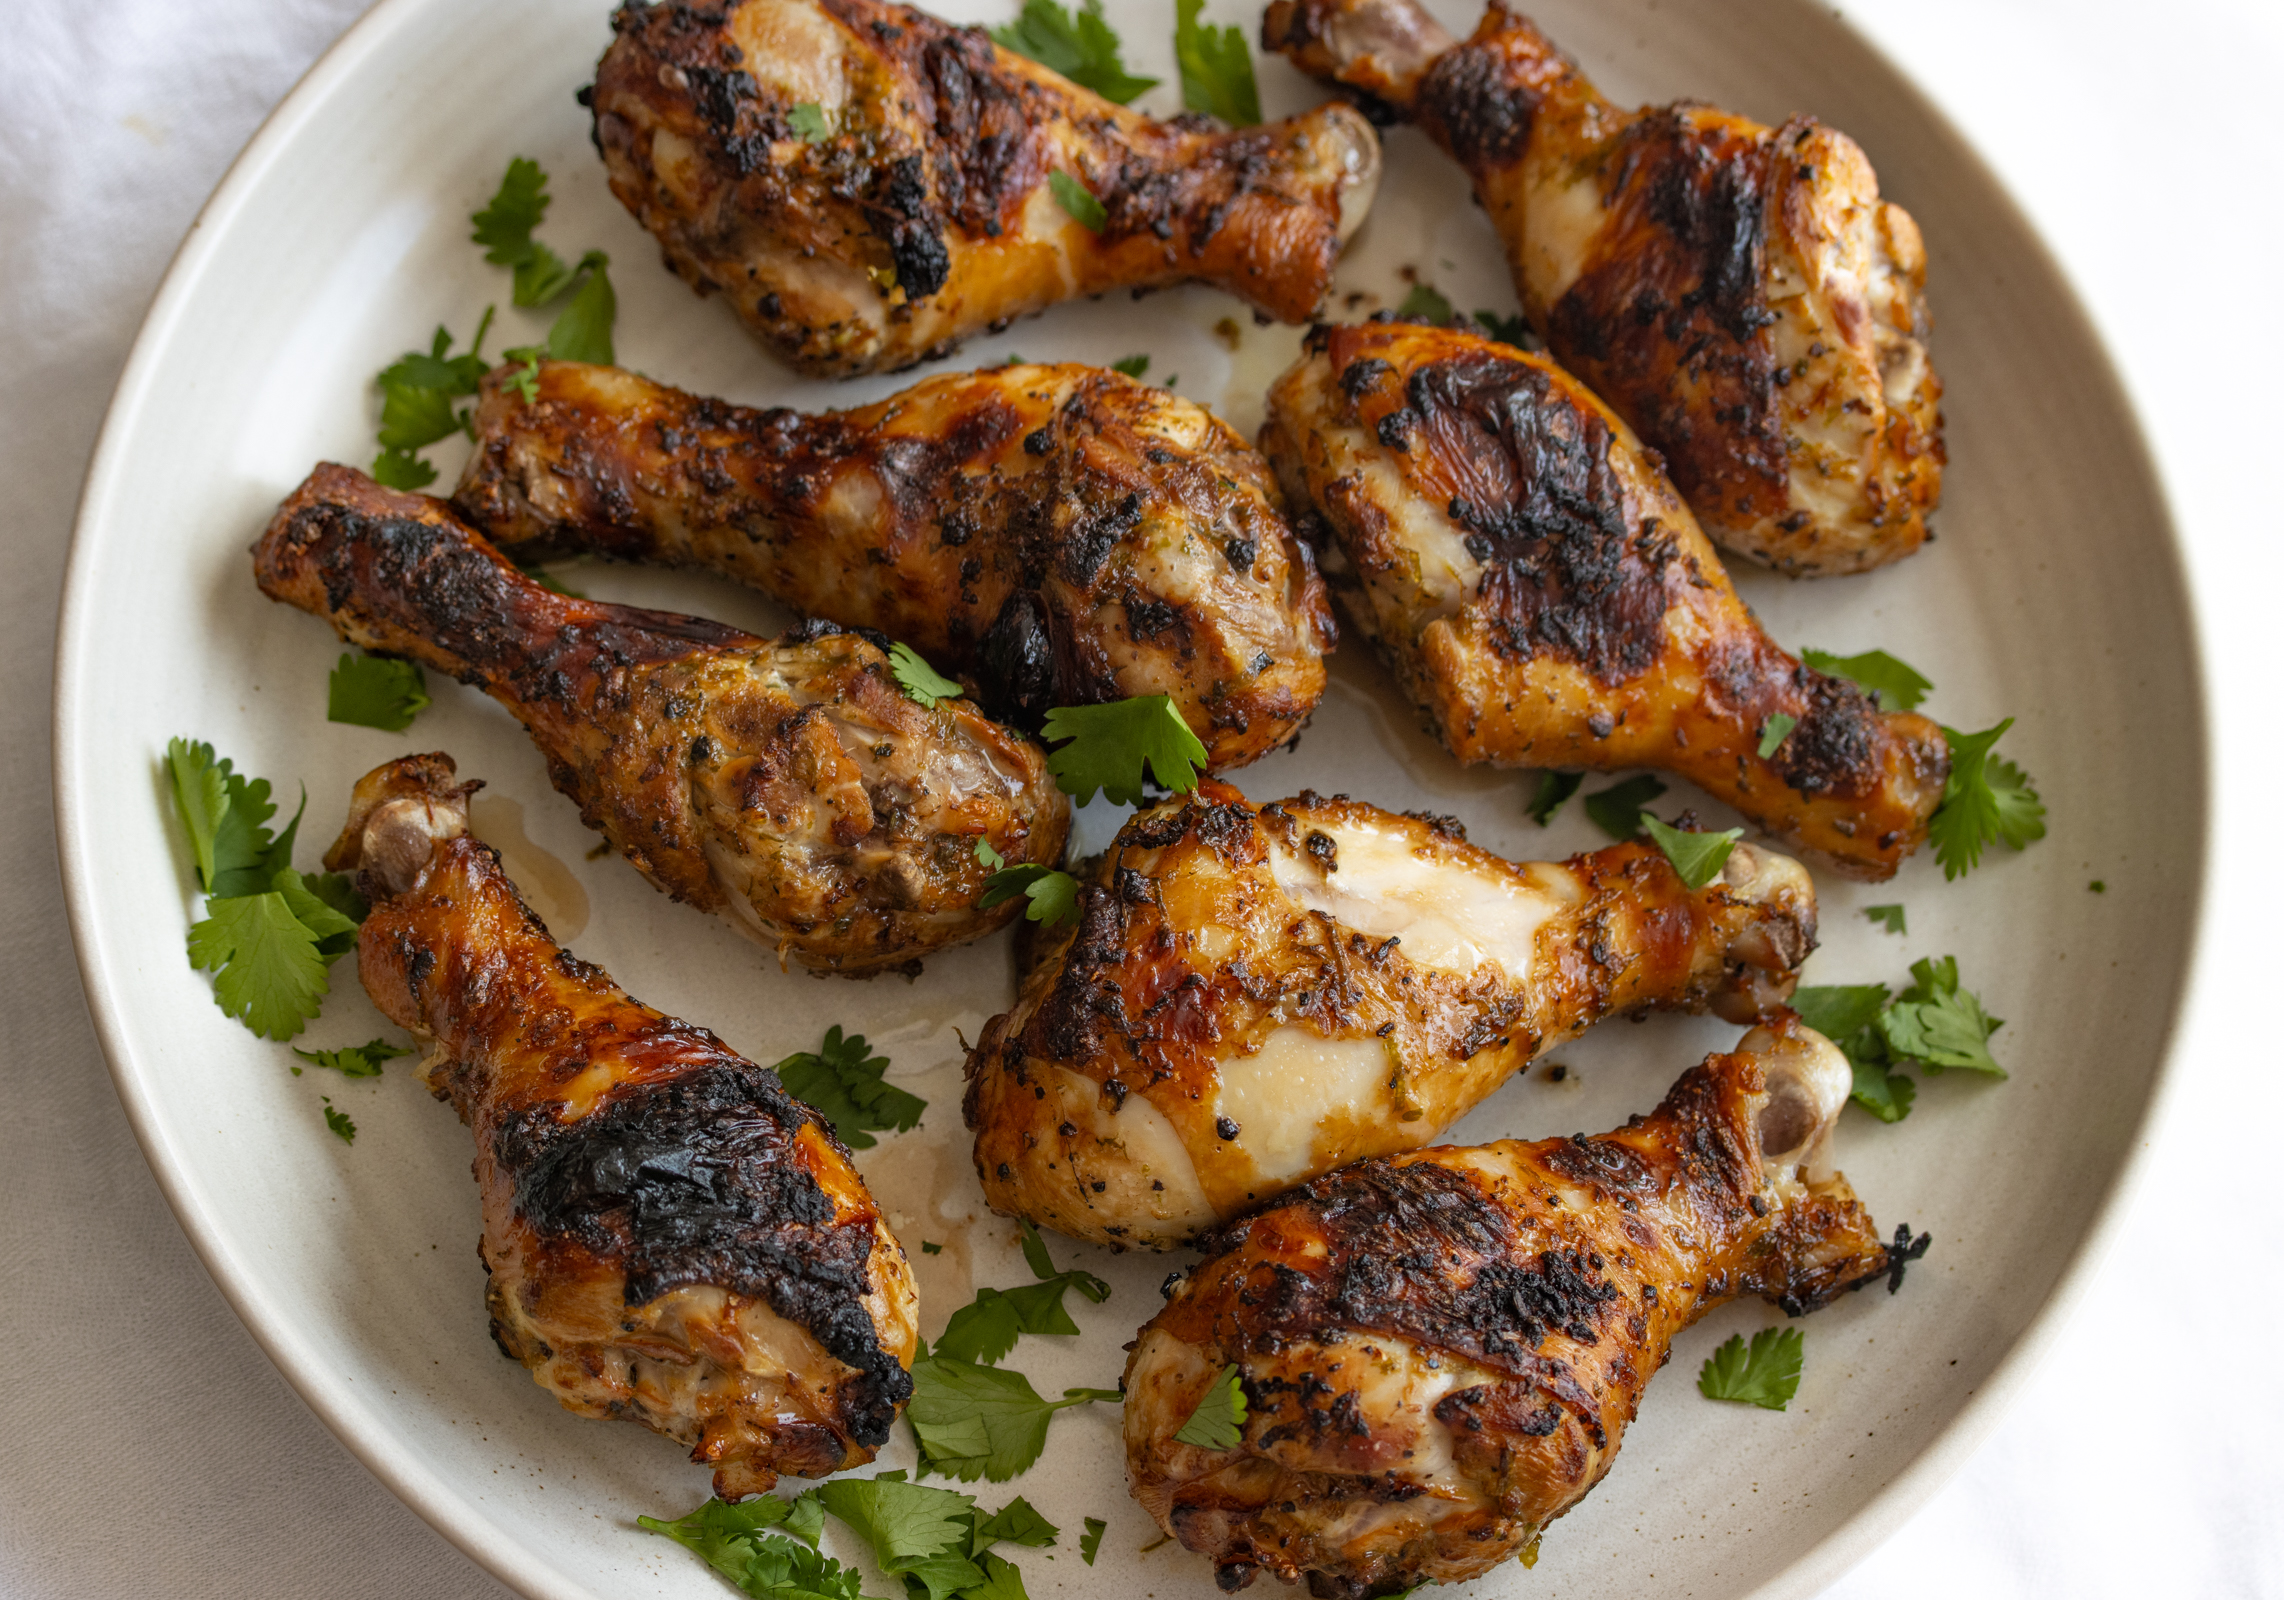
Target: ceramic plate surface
x=2054, y=595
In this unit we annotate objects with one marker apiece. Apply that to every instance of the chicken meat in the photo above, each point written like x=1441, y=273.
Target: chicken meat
x=1060, y=535
x=1740, y=294
x=1440, y=1351
x=868, y=185
x=668, y=1237
x=790, y=785
x=1547, y=600
x=1253, y=996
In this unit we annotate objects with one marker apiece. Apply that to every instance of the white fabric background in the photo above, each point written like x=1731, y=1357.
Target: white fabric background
x=147, y=1446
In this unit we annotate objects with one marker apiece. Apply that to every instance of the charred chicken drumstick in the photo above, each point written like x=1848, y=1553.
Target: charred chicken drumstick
x=1061, y=535
x=1548, y=601
x=669, y=1237
x=1440, y=1351
x=1740, y=294
x=868, y=185
x=1256, y=995
x=791, y=785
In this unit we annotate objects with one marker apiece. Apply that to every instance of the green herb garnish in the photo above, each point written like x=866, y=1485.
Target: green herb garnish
x=1765, y=1373
x=843, y=1082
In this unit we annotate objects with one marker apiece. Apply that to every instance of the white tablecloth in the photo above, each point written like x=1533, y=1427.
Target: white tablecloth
x=146, y=1446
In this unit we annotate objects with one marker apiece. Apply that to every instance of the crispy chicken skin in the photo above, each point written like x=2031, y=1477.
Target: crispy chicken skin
x=669, y=1237
x=1256, y=995
x=1440, y=1351
x=923, y=214
x=1740, y=294
x=1061, y=535
x=791, y=785
x=1547, y=600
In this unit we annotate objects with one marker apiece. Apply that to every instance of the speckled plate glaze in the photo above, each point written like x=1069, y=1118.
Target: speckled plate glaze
x=2054, y=594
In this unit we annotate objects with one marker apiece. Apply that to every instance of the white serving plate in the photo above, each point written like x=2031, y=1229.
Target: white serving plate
x=2055, y=594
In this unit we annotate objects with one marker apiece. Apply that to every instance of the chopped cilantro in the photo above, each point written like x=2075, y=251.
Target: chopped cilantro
x=809, y=122
x=354, y=1061
x=1017, y=1522
x=974, y=1421
x=1774, y=732
x=1216, y=67
x=504, y=228
x=1426, y=300
x=339, y=1122
x=1218, y=1422
x=929, y=1247
x=1617, y=810
x=375, y=692
x=1514, y=329
x=1765, y=1373
x=1077, y=201
x=1083, y=48
x=1132, y=366
x=2096, y=886
x=1938, y=1024
x=1888, y=917
x=1892, y=684
x=1987, y=798
x=1109, y=746
x=920, y=682
x=1697, y=857
x=1555, y=788
x=844, y=1083
x=1091, y=1541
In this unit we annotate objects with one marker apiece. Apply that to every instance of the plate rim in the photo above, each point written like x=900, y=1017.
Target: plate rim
x=477, y=1535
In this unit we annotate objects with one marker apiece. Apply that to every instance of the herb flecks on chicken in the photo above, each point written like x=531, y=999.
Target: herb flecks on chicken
x=792, y=786
x=913, y=201
x=669, y=1237
x=1740, y=294
x=1062, y=535
x=1547, y=600
x=1440, y=1352
x=1253, y=996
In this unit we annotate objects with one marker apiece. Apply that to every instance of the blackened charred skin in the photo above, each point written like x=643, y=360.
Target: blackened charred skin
x=1476, y=107
x=1017, y=662
x=1834, y=749
x=697, y=1179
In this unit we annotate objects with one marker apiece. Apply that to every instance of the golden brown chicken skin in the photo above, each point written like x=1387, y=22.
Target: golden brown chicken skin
x=1256, y=995
x=923, y=212
x=668, y=1236
x=791, y=786
x=1060, y=535
x=1440, y=1351
x=1547, y=600
x=1740, y=294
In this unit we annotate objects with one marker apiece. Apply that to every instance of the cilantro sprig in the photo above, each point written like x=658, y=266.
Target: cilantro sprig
x=1216, y=67
x=974, y=1421
x=1889, y=917
x=1053, y=894
x=1218, y=1421
x=1083, y=48
x=1617, y=810
x=376, y=692
x=846, y=1084
x=1765, y=1373
x=1987, y=799
x=986, y=1328
x=1933, y=1024
x=1108, y=747
x=1554, y=789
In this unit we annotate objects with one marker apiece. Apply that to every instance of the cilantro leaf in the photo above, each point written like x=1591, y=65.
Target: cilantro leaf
x=356, y=1060
x=1132, y=366
x=339, y=1122
x=1848, y=1015
x=1053, y=894
x=1426, y=300
x=1986, y=798
x=267, y=969
x=809, y=122
x=244, y=851
x=417, y=409
x=1078, y=202
x=581, y=331
x=1514, y=329
x=1887, y=1095
x=752, y=1544
x=1109, y=746
x=1017, y=1522
x=1090, y=1542
x=1216, y=67
x=1617, y=810
x=1893, y=685
x=1219, y=1420
x=1774, y=732
x=921, y=683
x=982, y=1331
x=505, y=225
x=1002, y=1580
x=376, y=692
x=1697, y=857
x=1888, y=917
x=986, y=1329
x=1840, y=1011
x=779, y=1569
x=1938, y=1024
x=1554, y=790
x=1765, y=1373
x=1082, y=48
x=974, y=1421
x=843, y=1082
x=336, y=890
x=401, y=469
x=913, y=1530
x=721, y=1532
x=201, y=797
x=334, y=930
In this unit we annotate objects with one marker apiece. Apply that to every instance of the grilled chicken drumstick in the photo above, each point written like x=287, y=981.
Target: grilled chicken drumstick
x=1440, y=1351
x=669, y=1237
x=1547, y=600
x=1256, y=995
x=1738, y=293
x=868, y=185
x=1063, y=535
x=791, y=785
